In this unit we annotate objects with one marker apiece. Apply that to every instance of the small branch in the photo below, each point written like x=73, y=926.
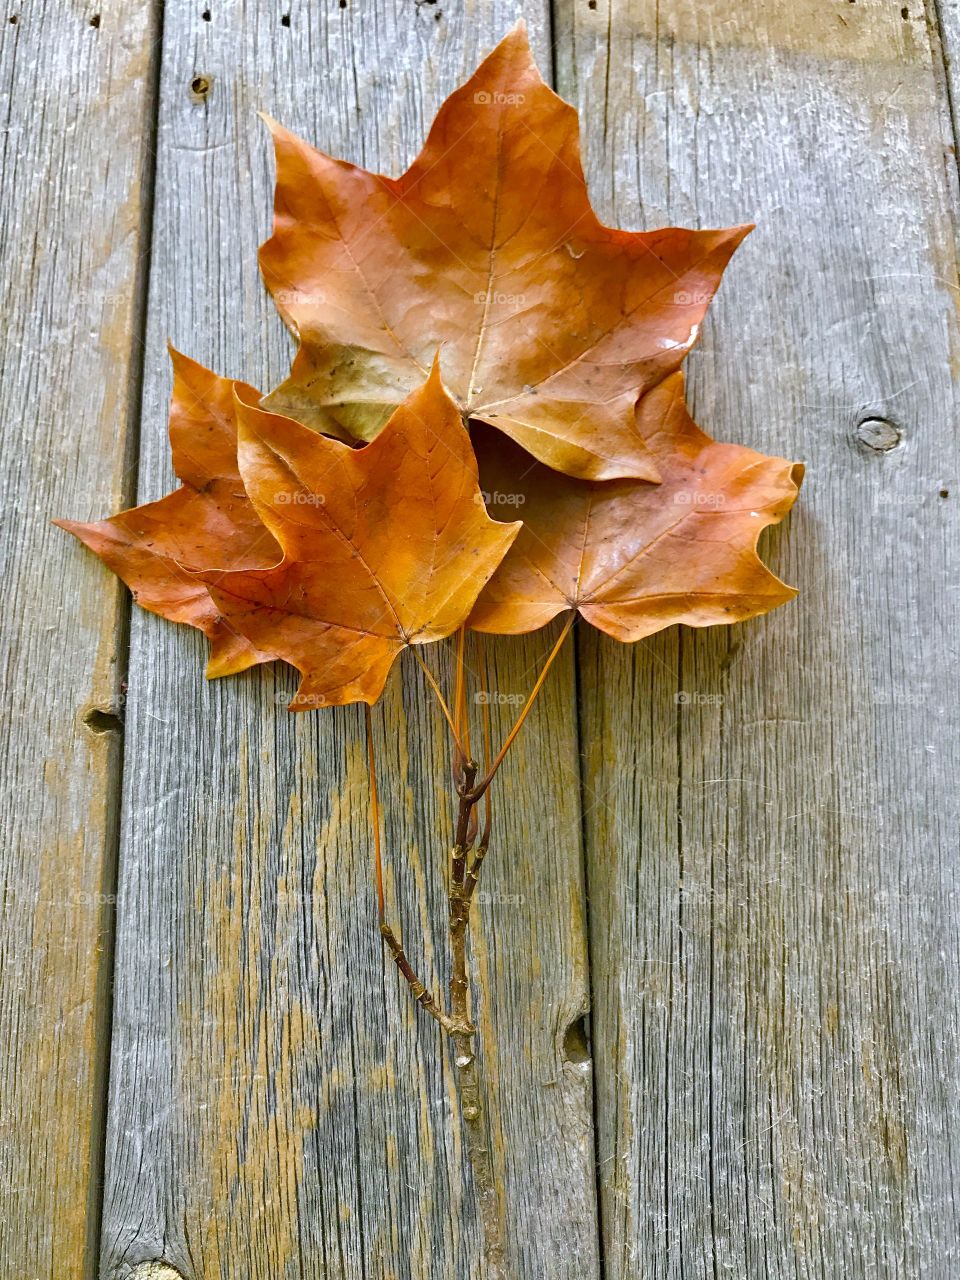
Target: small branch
x=464, y=877
x=462, y=883
x=473, y=871
x=489, y=1202
x=420, y=993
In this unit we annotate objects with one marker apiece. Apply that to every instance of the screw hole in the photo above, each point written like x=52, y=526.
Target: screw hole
x=100, y=721
x=200, y=87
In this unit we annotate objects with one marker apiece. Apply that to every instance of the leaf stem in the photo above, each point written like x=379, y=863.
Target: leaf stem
x=440, y=698
x=464, y=877
x=487, y=746
x=484, y=783
x=461, y=714
x=374, y=811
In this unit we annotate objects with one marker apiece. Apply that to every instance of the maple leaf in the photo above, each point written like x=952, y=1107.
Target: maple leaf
x=383, y=547
x=634, y=557
x=552, y=324
x=209, y=520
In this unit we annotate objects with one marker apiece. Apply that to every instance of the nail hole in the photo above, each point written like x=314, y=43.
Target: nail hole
x=205, y=15
x=591, y=4
x=200, y=87
x=13, y=19
x=878, y=434
x=576, y=1042
x=95, y=20
x=343, y=4
x=100, y=721
x=944, y=493
x=904, y=14
x=285, y=20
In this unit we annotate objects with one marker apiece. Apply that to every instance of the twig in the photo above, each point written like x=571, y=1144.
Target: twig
x=464, y=877
x=476, y=1127
x=420, y=993
x=473, y=871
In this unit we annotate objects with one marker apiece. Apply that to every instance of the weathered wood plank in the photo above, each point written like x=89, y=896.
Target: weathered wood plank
x=74, y=98
x=277, y=1108
x=772, y=864
x=945, y=38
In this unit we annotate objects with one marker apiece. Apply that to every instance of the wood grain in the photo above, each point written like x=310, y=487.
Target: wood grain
x=278, y=1108
x=771, y=811
x=71, y=236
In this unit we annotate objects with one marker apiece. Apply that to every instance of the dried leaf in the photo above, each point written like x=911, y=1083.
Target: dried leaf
x=635, y=557
x=384, y=546
x=208, y=521
x=551, y=323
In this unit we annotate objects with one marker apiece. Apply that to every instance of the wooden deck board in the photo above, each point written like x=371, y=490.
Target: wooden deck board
x=277, y=1106
x=75, y=101
x=772, y=863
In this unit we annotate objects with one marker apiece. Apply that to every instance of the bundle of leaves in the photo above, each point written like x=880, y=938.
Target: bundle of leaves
x=472, y=341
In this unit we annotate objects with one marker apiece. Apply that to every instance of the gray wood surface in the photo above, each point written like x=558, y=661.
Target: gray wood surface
x=277, y=1106
x=751, y=870
x=74, y=102
x=772, y=863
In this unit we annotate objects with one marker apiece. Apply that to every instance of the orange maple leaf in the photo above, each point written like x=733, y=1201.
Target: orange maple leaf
x=383, y=547
x=634, y=557
x=552, y=324
x=209, y=520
